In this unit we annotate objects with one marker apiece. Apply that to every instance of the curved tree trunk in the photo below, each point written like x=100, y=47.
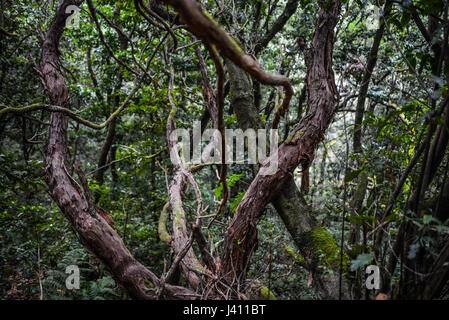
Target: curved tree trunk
x=297, y=216
x=95, y=234
x=241, y=238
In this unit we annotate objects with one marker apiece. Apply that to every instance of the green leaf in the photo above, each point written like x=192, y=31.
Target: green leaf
x=218, y=191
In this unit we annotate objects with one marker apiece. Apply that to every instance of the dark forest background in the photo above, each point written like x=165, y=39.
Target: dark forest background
x=85, y=172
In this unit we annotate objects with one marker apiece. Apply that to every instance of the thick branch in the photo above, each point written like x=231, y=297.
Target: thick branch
x=95, y=234
x=241, y=239
x=289, y=10
x=204, y=27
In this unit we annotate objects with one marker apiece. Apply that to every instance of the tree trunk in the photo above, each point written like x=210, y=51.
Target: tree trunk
x=95, y=234
x=291, y=206
x=241, y=238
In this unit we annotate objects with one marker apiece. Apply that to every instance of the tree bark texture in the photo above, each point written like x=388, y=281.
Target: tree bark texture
x=94, y=232
x=241, y=238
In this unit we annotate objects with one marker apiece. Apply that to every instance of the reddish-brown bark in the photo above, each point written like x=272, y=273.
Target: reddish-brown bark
x=241, y=239
x=94, y=232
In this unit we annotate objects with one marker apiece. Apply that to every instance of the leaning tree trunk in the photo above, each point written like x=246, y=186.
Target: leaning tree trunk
x=315, y=244
x=241, y=238
x=95, y=234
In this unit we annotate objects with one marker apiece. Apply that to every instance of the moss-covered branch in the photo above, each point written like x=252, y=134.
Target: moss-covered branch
x=7, y=33
x=202, y=25
x=162, y=225
x=72, y=115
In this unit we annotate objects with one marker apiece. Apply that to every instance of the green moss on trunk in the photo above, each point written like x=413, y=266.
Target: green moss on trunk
x=327, y=248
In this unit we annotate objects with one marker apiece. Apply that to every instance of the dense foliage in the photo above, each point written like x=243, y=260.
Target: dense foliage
x=378, y=186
